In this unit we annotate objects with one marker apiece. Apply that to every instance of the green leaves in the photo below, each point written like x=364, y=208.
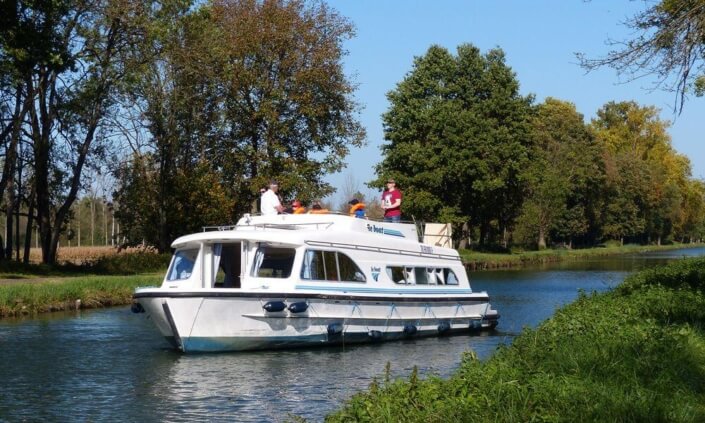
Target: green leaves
x=456, y=132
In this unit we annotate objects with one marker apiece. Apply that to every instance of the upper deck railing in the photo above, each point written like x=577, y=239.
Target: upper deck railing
x=434, y=237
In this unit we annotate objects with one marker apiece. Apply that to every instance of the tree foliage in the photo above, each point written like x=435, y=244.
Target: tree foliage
x=668, y=43
x=244, y=91
x=457, y=138
x=562, y=177
x=66, y=60
x=646, y=178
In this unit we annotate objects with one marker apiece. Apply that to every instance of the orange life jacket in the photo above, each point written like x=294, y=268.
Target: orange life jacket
x=318, y=211
x=356, y=207
x=300, y=210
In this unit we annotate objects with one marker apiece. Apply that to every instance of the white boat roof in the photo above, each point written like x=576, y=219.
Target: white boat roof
x=321, y=229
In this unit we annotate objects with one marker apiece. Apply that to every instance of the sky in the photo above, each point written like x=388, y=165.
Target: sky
x=539, y=38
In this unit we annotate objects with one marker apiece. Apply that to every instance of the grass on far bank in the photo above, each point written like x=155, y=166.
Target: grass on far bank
x=479, y=260
x=62, y=293
x=108, y=280
x=77, y=261
x=635, y=353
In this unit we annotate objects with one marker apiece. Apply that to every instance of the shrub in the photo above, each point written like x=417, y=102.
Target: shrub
x=632, y=354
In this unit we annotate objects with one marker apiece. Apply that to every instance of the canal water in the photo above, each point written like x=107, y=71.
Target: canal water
x=110, y=365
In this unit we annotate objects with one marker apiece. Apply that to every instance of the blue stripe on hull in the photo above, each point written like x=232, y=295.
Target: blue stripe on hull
x=224, y=344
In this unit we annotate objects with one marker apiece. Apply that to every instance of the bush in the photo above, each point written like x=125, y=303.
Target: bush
x=130, y=264
x=632, y=354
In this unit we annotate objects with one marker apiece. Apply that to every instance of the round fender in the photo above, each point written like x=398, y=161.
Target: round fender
x=274, y=306
x=299, y=307
x=335, y=328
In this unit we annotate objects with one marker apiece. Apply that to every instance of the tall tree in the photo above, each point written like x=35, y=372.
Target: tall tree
x=668, y=43
x=70, y=55
x=563, y=175
x=245, y=91
x=646, y=177
x=457, y=138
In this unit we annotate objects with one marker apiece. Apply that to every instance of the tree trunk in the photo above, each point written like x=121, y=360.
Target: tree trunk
x=28, y=231
x=464, y=236
x=541, y=239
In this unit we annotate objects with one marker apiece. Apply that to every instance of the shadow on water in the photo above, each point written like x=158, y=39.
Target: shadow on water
x=112, y=364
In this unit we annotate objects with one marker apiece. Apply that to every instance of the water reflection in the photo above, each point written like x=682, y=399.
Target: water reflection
x=112, y=365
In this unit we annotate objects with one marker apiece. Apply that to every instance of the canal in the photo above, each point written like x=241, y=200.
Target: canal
x=109, y=365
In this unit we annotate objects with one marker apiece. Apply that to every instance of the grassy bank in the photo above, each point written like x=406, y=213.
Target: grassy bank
x=102, y=282
x=54, y=294
x=480, y=261
x=632, y=354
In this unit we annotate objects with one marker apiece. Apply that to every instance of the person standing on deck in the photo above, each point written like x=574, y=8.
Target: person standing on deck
x=391, y=202
x=270, y=203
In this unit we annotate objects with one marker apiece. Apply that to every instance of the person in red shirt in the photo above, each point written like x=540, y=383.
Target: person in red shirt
x=391, y=202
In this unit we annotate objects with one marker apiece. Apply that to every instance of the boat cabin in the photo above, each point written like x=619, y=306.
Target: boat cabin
x=295, y=252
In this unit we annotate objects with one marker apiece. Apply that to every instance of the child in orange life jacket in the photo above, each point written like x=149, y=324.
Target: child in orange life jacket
x=317, y=209
x=357, y=208
x=297, y=207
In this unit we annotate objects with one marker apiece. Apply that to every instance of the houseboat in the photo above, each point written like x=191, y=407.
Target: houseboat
x=288, y=280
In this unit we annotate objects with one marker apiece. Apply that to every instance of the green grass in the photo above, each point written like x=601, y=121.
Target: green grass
x=636, y=353
x=120, y=264
x=56, y=294
x=479, y=260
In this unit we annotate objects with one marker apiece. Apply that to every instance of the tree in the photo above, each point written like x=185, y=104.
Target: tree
x=243, y=91
x=646, y=177
x=668, y=44
x=562, y=174
x=457, y=139
x=70, y=56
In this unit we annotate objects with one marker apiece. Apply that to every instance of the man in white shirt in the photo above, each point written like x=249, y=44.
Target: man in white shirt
x=270, y=200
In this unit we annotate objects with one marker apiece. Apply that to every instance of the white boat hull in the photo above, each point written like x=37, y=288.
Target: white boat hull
x=226, y=321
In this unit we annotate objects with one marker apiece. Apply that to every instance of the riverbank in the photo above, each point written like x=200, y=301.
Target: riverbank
x=631, y=354
x=104, y=282
x=68, y=293
x=484, y=261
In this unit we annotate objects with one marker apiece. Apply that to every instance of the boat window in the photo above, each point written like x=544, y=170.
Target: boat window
x=431, y=275
x=330, y=266
x=182, y=264
x=227, y=262
x=439, y=276
x=450, y=277
x=398, y=274
x=273, y=262
x=420, y=276
x=349, y=270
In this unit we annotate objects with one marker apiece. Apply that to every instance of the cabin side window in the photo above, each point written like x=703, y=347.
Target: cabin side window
x=399, y=274
x=330, y=266
x=273, y=262
x=182, y=264
x=450, y=277
x=406, y=275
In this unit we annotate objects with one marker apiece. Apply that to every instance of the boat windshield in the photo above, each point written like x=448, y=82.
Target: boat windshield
x=182, y=264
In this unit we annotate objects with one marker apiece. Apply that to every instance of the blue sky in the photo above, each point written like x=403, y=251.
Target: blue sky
x=539, y=38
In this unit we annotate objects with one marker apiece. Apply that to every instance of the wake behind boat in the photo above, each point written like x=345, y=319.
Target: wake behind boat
x=284, y=281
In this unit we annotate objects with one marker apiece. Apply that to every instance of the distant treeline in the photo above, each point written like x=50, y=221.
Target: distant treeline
x=191, y=107
x=467, y=148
